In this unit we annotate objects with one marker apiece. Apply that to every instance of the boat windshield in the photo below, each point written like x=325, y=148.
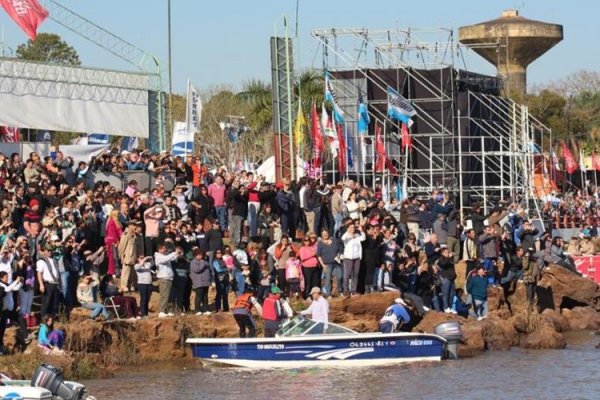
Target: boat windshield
x=302, y=327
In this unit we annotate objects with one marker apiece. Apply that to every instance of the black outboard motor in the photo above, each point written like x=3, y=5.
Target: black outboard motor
x=452, y=333
x=51, y=378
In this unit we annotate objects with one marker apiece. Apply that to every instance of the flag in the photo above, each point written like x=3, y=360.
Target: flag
x=329, y=131
x=129, y=143
x=406, y=139
x=379, y=150
x=300, y=127
x=10, y=134
x=28, y=14
x=316, y=137
x=595, y=162
x=555, y=161
x=182, y=141
x=330, y=95
x=363, y=116
x=582, y=161
x=570, y=163
x=193, y=113
x=98, y=138
x=43, y=137
x=342, y=146
x=400, y=108
x=534, y=148
x=349, y=149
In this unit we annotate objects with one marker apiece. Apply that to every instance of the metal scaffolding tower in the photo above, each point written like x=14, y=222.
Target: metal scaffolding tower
x=467, y=139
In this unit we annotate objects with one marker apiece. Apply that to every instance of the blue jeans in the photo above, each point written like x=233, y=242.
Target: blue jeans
x=510, y=276
x=253, y=210
x=337, y=221
x=480, y=307
x=97, y=309
x=241, y=282
x=65, y=289
x=221, y=301
x=221, y=214
x=332, y=271
x=447, y=293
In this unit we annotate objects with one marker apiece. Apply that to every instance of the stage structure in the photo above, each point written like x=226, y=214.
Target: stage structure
x=466, y=138
x=86, y=100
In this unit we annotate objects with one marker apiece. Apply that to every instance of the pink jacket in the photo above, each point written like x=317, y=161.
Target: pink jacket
x=113, y=232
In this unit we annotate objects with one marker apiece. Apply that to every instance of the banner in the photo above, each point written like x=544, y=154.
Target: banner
x=28, y=14
x=330, y=132
x=129, y=143
x=82, y=152
x=98, y=138
x=363, y=117
x=299, y=127
x=379, y=150
x=406, y=139
x=183, y=140
x=342, y=146
x=10, y=134
x=193, y=115
x=331, y=96
x=570, y=163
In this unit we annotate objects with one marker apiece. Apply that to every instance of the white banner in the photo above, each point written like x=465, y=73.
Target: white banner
x=193, y=113
x=72, y=99
x=82, y=152
x=183, y=140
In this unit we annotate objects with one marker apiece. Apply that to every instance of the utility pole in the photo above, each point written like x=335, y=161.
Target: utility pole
x=170, y=70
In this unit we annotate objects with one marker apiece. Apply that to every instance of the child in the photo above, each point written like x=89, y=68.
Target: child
x=293, y=275
x=50, y=339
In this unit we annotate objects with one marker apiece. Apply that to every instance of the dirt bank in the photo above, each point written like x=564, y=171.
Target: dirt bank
x=96, y=350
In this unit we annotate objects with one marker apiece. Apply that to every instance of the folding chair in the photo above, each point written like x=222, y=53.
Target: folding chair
x=111, y=306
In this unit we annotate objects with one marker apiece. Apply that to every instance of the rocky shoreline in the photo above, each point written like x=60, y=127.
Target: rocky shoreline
x=98, y=350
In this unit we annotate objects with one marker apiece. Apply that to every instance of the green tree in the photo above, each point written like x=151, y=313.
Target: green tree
x=49, y=48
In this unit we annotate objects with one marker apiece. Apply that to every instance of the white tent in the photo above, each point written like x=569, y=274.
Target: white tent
x=267, y=169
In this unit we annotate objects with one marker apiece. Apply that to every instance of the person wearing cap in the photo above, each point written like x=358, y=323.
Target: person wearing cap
x=319, y=308
x=274, y=311
x=394, y=317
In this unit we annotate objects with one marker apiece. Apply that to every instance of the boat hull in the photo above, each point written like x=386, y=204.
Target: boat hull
x=323, y=351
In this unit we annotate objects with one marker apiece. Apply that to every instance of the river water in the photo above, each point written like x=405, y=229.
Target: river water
x=572, y=373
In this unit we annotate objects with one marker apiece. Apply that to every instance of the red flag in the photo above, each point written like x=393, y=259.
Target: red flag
x=406, y=139
x=570, y=163
x=342, y=152
x=10, y=134
x=379, y=150
x=595, y=162
x=317, y=138
x=28, y=14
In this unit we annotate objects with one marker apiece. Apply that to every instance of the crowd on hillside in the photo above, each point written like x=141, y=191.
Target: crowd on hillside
x=76, y=245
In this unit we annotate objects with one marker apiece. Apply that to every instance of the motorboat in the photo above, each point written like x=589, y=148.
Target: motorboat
x=47, y=383
x=307, y=343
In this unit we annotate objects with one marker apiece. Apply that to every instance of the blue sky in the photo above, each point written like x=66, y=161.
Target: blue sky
x=226, y=41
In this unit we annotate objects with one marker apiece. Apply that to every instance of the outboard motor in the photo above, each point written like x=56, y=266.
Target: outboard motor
x=452, y=333
x=51, y=378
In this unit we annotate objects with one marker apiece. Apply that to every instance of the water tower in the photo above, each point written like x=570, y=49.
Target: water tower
x=511, y=43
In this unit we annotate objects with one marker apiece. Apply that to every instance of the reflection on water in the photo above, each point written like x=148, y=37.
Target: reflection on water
x=560, y=374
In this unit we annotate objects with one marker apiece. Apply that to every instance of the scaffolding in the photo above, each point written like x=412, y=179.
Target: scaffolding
x=466, y=139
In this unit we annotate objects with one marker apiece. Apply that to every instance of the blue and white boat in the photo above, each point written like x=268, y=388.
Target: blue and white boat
x=307, y=343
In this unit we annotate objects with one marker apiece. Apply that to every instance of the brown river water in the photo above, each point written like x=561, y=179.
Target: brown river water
x=572, y=373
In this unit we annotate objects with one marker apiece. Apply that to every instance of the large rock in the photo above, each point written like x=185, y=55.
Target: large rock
x=545, y=337
x=556, y=319
x=560, y=288
x=499, y=334
x=581, y=318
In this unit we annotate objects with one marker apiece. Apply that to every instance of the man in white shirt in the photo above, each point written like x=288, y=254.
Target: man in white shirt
x=164, y=273
x=48, y=275
x=319, y=308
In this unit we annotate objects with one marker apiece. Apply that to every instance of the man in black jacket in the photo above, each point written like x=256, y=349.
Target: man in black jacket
x=239, y=212
x=527, y=235
x=448, y=276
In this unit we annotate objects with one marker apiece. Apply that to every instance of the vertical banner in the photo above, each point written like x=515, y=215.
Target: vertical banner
x=193, y=112
x=183, y=140
x=10, y=134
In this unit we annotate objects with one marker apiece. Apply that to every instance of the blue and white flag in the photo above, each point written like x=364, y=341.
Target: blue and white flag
x=129, y=143
x=193, y=114
x=98, y=138
x=349, y=150
x=183, y=140
x=44, y=137
x=363, y=117
x=330, y=95
x=400, y=108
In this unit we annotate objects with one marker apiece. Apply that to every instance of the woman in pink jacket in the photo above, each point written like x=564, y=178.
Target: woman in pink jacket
x=111, y=240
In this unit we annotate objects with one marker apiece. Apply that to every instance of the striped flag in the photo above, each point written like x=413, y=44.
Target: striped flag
x=331, y=96
x=400, y=108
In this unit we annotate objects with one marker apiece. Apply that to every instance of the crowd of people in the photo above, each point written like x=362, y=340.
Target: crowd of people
x=92, y=247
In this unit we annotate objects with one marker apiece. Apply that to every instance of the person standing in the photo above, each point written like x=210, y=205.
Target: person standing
x=202, y=277
x=319, y=308
x=448, y=276
x=222, y=281
x=114, y=231
x=152, y=218
x=352, y=255
x=489, y=246
x=216, y=191
x=8, y=304
x=327, y=252
x=164, y=273
x=477, y=286
x=242, y=312
x=49, y=279
x=239, y=212
x=470, y=251
x=131, y=246
x=531, y=275
x=310, y=263
x=143, y=269
x=337, y=207
x=274, y=311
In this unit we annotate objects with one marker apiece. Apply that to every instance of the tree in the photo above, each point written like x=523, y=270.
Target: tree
x=49, y=48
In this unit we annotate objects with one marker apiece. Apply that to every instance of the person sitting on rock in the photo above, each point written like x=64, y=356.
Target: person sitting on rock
x=85, y=296
x=573, y=248
x=50, y=339
x=458, y=305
